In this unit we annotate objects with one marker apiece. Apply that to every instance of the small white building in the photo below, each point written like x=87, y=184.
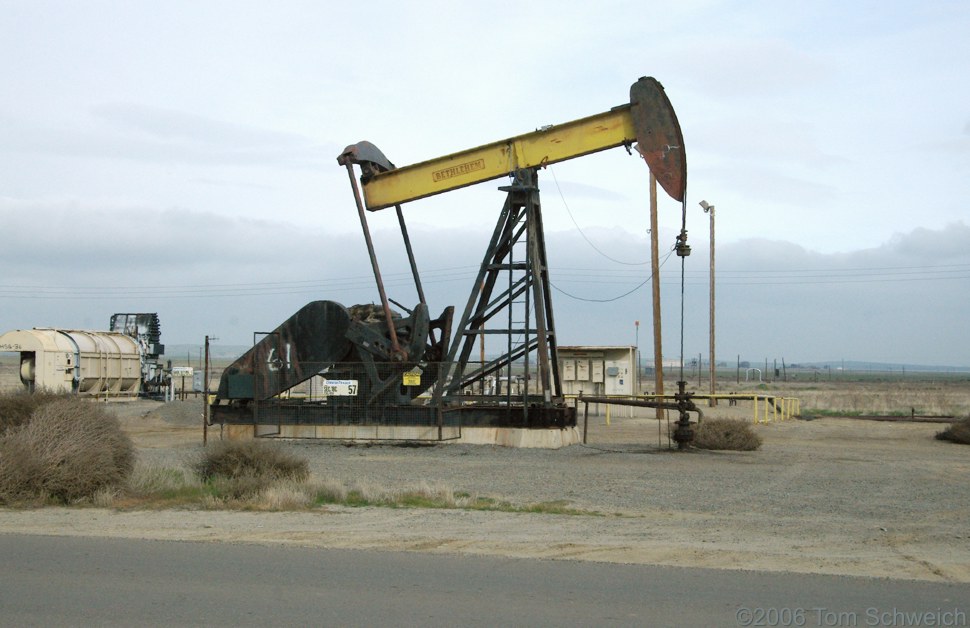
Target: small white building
x=598, y=370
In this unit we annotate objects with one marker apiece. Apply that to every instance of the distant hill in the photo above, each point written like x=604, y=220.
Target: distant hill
x=858, y=365
x=179, y=353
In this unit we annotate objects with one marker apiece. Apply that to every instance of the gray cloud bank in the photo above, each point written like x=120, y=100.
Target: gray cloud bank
x=72, y=267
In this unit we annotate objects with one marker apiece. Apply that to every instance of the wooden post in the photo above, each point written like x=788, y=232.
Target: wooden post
x=655, y=273
x=205, y=396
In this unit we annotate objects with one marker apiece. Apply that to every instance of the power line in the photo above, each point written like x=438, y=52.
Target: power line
x=454, y=274
x=616, y=298
x=582, y=233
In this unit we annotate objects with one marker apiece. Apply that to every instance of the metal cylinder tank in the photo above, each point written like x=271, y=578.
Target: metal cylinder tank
x=95, y=363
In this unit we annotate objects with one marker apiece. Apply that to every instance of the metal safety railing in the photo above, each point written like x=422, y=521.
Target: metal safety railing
x=765, y=408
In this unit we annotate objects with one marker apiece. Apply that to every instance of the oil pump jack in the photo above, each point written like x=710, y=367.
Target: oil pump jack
x=389, y=359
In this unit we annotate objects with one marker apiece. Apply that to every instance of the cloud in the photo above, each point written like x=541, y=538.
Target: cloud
x=742, y=68
x=168, y=125
x=166, y=148
x=208, y=274
x=950, y=243
x=771, y=186
x=148, y=134
x=573, y=189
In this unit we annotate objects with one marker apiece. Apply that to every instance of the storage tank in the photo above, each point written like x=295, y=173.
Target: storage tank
x=95, y=363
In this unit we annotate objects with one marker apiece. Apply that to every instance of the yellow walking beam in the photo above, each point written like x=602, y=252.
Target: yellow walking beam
x=649, y=120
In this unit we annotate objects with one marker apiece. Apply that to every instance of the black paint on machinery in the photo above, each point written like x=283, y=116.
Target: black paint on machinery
x=380, y=367
x=325, y=340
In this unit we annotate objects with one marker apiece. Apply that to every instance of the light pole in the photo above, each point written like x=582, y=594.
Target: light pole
x=709, y=209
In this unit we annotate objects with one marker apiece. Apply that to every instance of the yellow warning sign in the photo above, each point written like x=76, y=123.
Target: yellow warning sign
x=412, y=378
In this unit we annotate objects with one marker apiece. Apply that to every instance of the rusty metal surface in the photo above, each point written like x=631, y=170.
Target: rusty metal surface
x=348, y=343
x=315, y=334
x=659, y=138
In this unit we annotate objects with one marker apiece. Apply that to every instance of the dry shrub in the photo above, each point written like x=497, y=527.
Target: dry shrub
x=726, y=434
x=16, y=408
x=958, y=432
x=67, y=451
x=242, y=469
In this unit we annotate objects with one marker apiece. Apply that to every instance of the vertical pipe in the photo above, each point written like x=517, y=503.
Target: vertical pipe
x=396, y=352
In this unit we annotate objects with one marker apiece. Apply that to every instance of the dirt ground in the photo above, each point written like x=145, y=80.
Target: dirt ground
x=834, y=496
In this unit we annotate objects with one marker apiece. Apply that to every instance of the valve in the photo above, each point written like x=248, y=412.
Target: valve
x=684, y=434
x=682, y=248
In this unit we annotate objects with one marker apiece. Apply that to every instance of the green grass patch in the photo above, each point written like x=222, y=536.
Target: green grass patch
x=816, y=413
x=156, y=488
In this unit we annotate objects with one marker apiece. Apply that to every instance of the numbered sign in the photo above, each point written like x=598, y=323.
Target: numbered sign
x=338, y=387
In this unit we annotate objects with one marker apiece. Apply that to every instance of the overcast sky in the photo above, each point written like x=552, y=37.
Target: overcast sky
x=180, y=158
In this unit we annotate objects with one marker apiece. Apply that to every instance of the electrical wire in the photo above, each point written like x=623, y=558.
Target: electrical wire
x=617, y=298
x=580, y=230
x=579, y=275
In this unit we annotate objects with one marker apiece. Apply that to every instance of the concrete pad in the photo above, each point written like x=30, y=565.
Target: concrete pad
x=503, y=436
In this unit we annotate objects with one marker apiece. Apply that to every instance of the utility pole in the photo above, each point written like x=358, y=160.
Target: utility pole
x=658, y=362
x=709, y=209
x=205, y=395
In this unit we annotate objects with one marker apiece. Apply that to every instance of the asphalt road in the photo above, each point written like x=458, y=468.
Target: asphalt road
x=61, y=581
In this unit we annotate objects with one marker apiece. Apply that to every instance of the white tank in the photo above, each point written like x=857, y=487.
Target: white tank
x=96, y=363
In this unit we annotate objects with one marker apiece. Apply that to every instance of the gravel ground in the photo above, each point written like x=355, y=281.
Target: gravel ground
x=826, y=496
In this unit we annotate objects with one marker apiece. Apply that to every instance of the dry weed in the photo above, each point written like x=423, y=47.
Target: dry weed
x=726, y=434
x=330, y=491
x=158, y=481
x=67, y=451
x=16, y=408
x=958, y=432
x=286, y=496
x=250, y=459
